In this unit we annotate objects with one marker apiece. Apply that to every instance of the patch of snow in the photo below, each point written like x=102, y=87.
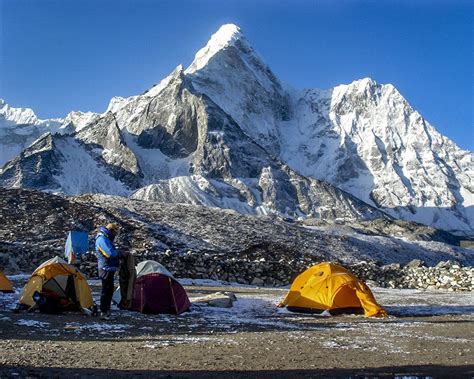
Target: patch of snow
x=249, y=309
x=33, y=323
x=186, y=339
x=410, y=302
x=79, y=120
x=88, y=175
x=196, y=190
x=9, y=300
x=18, y=277
x=101, y=328
x=154, y=164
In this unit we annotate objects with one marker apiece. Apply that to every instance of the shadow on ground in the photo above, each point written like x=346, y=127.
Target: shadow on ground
x=414, y=372
x=428, y=310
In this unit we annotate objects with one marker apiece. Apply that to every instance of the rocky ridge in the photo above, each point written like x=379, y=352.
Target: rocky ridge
x=20, y=127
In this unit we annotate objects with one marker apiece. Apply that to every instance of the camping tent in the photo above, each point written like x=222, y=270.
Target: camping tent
x=5, y=285
x=62, y=279
x=156, y=291
x=328, y=286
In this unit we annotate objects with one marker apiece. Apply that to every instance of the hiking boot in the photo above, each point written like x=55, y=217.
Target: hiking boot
x=105, y=316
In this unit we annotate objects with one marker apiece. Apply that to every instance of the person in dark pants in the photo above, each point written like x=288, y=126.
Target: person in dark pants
x=108, y=263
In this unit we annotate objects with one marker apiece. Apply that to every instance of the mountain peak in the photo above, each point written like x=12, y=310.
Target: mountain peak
x=10, y=116
x=361, y=84
x=226, y=36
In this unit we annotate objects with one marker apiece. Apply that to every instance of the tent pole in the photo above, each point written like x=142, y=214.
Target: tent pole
x=172, y=293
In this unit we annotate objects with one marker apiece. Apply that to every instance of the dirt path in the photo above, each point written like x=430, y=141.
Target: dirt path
x=431, y=334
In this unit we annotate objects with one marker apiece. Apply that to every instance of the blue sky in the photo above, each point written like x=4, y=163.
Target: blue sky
x=58, y=56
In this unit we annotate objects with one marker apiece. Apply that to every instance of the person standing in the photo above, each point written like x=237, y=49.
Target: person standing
x=108, y=263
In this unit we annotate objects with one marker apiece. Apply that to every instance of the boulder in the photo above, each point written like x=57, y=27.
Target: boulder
x=218, y=299
x=414, y=263
x=257, y=282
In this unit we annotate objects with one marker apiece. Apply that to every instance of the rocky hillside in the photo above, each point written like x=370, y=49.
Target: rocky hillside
x=226, y=133
x=185, y=237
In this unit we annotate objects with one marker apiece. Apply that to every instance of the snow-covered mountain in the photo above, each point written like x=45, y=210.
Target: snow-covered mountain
x=181, y=147
x=226, y=133
x=383, y=152
x=19, y=127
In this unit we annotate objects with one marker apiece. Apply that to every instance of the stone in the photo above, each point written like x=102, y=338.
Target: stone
x=218, y=299
x=257, y=282
x=415, y=263
x=391, y=266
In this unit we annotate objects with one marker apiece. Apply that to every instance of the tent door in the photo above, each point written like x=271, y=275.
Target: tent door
x=64, y=286
x=345, y=299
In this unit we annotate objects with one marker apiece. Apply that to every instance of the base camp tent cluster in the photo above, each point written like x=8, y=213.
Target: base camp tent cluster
x=323, y=287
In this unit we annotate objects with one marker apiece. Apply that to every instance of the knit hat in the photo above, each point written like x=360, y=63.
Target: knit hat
x=113, y=228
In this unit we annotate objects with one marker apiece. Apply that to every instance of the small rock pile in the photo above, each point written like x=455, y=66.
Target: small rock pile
x=446, y=275
x=281, y=269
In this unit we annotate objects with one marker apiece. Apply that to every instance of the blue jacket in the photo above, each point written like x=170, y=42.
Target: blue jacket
x=107, y=255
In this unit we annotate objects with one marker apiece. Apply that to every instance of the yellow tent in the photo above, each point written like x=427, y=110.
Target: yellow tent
x=5, y=285
x=61, y=278
x=328, y=286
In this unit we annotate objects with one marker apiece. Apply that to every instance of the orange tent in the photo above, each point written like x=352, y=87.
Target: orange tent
x=5, y=285
x=328, y=286
x=63, y=279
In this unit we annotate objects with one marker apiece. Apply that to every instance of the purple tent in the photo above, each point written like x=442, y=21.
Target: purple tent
x=156, y=291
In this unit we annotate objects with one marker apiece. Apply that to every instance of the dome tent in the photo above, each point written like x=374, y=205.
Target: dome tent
x=63, y=280
x=156, y=291
x=330, y=287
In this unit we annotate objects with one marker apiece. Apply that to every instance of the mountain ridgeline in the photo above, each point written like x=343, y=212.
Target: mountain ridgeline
x=226, y=133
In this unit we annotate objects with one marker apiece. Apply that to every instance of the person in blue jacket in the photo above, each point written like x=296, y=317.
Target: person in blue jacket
x=108, y=263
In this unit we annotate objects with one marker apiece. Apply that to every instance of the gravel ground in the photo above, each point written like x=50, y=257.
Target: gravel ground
x=427, y=334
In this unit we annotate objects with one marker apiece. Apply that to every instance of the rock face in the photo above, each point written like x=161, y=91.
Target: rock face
x=226, y=133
